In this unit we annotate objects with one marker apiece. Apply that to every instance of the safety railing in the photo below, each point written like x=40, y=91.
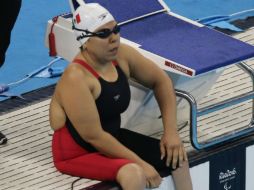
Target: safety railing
x=195, y=113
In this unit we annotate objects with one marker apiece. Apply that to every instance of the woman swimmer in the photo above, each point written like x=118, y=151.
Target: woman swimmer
x=88, y=100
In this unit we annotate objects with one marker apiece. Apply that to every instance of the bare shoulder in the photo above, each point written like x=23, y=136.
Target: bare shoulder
x=74, y=77
x=131, y=54
x=76, y=80
x=126, y=51
x=73, y=72
x=141, y=68
x=126, y=54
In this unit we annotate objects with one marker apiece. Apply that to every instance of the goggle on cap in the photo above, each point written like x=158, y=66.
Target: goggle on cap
x=89, y=17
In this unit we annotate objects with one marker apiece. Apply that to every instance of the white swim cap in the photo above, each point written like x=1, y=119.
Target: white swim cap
x=89, y=17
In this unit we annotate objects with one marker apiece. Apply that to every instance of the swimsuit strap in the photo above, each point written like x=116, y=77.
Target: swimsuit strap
x=114, y=63
x=87, y=66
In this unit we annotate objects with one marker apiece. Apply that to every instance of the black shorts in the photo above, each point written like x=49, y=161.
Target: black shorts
x=147, y=148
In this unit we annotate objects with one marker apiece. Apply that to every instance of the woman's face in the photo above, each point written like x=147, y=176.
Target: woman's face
x=104, y=49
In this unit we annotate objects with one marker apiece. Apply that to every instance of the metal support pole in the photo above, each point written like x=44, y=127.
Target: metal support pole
x=195, y=113
x=250, y=71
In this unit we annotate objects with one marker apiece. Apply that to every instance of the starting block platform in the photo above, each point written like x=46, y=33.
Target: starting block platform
x=193, y=55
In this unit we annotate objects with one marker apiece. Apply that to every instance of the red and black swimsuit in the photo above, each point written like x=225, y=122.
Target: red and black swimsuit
x=74, y=156
x=113, y=100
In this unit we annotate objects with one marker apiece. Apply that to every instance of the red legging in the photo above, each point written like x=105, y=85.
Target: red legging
x=72, y=159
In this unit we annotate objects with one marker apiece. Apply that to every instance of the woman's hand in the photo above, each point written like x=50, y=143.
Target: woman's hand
x=172, y=148
x=153, y=178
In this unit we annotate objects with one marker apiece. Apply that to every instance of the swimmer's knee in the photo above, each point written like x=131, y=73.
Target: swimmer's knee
x=131, y=172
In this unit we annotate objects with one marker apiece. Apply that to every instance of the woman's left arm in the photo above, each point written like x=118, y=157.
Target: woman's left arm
x=146, y=72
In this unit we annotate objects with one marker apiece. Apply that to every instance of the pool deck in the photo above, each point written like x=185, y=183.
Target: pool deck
x=26, y=161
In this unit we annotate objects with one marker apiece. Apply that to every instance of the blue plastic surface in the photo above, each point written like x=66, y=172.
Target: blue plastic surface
x=123, y=10
x=200, y=48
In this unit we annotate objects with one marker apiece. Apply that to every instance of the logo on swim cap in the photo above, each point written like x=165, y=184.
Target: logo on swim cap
x=103, y=16
x=89, y=17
